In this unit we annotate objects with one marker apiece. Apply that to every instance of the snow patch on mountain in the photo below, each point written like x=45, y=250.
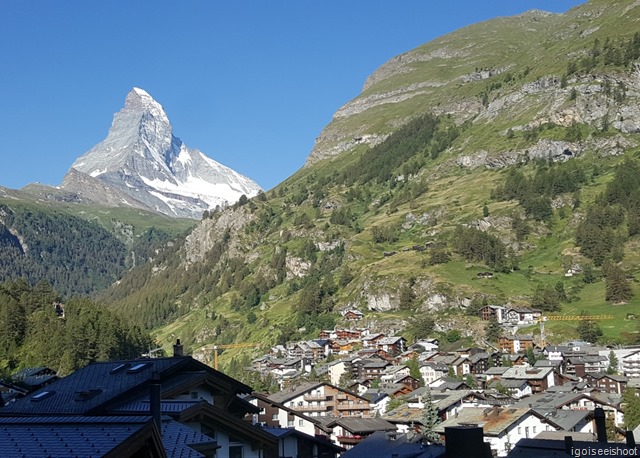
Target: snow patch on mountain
x=143, y=159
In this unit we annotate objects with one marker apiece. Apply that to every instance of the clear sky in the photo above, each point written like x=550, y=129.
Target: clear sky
x=250, y=83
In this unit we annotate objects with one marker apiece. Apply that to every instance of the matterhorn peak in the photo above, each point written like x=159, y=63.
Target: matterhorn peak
x=140, y=99
x=142, y=159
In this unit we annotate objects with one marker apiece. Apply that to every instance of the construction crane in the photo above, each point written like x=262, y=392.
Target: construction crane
x=542, y=319
x=224, y=346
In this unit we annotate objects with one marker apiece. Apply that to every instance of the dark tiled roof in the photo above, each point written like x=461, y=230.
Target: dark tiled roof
x=36, y=437
x=379, y=444
x=176, y=439
x=167, y=407
x=90, y=389
x=363, y=425
x=285, y=432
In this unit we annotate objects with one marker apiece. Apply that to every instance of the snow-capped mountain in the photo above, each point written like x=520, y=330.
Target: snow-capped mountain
x=142, y=164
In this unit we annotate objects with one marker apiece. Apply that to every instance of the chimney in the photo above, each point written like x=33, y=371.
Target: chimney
x=631, y=440
x=465, y=441
x=154, y=400
x=601, y=428
x=568, y=445
x=178, y=349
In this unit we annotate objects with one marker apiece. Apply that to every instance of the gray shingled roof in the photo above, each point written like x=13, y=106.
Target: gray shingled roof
x=90, y=389
x=379, y=445
x=36, y=437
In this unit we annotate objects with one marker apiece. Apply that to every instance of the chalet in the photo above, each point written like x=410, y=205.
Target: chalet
x=431, y=371
x=292, y=442
x=447, y=405
x=631, y=364
x=353, y=315
x=349, y=334
x=317, y=399
x=336, y=369
x=407, y=380
x=489, y=312
x=550, y=402
x=502, y=426
x=277, y=415
x=607, y=383
x=556, y=352
x=425, y=345
x=378, y=400
x=516, y=388
x=539, y=378
x=349, y=432
x=360, y=386
x=515, y=344
x=372, y=340
x=340, y=347
x=189, y=393
x=587, y=364
x=521, y=316
x=393, y=345
x=369, y=368
x=390, y=373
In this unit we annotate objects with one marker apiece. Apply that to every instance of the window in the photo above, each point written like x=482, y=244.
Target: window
x=290, y=423
x=119, y=368
x=526, y=431
x=300, y=422
x=235, y=451
x=274, y=416
x=519, y=430
x=41, y=396
x=534, y=430
x=194, y=395
x=137, y=368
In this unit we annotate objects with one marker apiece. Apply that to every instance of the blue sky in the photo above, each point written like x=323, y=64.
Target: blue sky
x=250, y=83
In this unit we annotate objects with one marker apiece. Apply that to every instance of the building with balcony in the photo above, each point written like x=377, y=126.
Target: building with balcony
x=320, y=399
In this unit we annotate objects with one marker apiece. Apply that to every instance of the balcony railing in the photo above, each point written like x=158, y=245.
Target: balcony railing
x=353, y=407
x=311, y=408
x=315, y=397
x=350, y=440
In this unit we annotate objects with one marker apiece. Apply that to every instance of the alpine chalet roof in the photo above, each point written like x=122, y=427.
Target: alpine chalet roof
x=89, y=390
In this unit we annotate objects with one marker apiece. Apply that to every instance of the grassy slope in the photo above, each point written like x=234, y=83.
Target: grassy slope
x=543, y=44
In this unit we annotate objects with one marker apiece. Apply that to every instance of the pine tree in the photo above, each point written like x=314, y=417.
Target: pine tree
x=617, y=287
x=613, y=363
x=492, y=330
x=430, y=418
x=631, y=409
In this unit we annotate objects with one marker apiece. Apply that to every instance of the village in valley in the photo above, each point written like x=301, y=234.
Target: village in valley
x=351, y=392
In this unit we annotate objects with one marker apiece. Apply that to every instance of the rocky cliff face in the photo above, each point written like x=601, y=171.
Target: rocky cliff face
x=142, y=164
x=506, y=71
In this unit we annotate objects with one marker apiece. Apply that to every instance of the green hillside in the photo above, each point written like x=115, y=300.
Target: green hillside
x=505, y=147
x=78, y=249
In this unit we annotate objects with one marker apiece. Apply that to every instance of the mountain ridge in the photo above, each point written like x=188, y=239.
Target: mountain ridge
x=511, y=163
x=142, y=159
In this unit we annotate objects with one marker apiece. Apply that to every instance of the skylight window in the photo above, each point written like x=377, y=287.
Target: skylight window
x=119, y=368
x=137, y=368
x=41, y=396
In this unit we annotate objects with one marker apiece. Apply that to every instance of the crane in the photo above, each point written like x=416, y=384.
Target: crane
x=542, y=319
x=216, y=347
